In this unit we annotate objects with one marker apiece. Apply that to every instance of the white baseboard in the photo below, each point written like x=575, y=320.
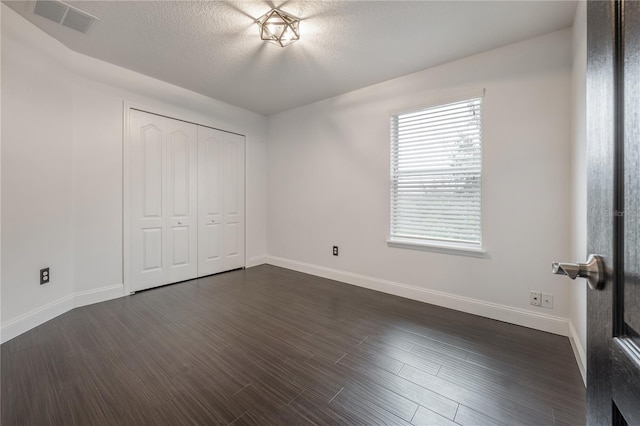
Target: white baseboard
x=256, y=261
x=548, y=323
x=578, y=351
x=34, y=318
x=102, y=294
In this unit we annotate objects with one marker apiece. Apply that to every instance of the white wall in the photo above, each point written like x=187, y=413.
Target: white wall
x=37, y=140
x=62, y=170
x=577, y=293
x=328, y=184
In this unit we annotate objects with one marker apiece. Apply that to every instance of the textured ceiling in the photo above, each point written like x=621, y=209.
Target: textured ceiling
x=213, y=47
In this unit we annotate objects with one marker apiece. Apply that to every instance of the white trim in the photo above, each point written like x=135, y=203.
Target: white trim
x=97, y=295
x=578, y=352
x=126, y=199
x=256, y=261
x=36, y=317
x=32, y=319
x=448, y=248
x=180, y=114
x=440, y=97
x=244, y=203
x=548, y=323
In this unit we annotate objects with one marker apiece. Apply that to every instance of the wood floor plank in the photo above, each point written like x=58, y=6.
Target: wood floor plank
x=557, y=386
x=382, y=397
x=468, y=417
x=364, y=409
x=511, y=388
x=563, y=416
x=388, y=341
x=424, y=417
x=379, y=359
x=272, y=346
x=369, y=348
x=263, y=376
x=568, y=379
x=319, y=411
x=400, y=385
x=249, y=419
x=495, y=405
x=261, y=404
x=354, y=382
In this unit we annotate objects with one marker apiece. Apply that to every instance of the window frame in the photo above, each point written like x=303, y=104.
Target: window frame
x=435, y=245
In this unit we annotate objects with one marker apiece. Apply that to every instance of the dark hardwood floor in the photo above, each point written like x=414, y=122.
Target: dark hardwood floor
x=272, y=346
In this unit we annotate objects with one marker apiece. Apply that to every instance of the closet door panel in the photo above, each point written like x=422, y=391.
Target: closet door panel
x=151, y=141
x=182, y=201
x=231, y=237
x=210, y=213
x=179, y=168
x=151, y=249
x=147, y=192
x=233, y=201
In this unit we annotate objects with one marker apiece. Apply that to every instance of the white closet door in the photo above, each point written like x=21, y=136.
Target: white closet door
x=220, y=201
x=147, y=211
x=210, y=217
x=182, y=201
x=233, y=201
x=163, y=203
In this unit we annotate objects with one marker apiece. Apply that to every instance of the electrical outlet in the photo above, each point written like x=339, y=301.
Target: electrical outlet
x=547, y=300
x=335, y=250
x=45, y=277
x=535, y=298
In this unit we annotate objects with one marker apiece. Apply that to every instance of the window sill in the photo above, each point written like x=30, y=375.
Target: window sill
x=447, y=248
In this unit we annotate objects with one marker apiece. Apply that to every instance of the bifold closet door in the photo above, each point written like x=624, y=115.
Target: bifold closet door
x=221, y=174
x=163, y=161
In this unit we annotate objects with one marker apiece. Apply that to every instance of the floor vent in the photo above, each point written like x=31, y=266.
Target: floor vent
x=65, y=14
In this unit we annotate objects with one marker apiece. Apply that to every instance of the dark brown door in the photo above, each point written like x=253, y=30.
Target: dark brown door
x=613, y=164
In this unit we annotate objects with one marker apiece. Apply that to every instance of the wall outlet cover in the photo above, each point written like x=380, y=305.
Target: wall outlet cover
x=45, y=276
x=535, y=298
x=547, y=300
x=335, y=250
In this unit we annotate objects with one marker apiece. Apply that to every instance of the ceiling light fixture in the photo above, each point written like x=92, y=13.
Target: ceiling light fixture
x=279, y=27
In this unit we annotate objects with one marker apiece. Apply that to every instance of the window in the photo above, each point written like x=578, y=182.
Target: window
x=436, y=182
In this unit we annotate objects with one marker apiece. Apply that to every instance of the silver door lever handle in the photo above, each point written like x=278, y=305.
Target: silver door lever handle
x=593, y=271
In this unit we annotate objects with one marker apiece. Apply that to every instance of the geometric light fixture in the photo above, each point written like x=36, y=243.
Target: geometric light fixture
x=279, y=27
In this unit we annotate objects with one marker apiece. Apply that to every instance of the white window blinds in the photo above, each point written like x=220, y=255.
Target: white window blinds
x=436, y=161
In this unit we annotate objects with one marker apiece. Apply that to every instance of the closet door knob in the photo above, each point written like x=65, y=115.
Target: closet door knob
x=179, y=223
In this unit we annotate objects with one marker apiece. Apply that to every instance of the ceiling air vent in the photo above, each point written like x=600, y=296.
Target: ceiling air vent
x=65, y=14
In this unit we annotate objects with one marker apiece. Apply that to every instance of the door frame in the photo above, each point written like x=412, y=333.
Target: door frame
x=127, y=106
